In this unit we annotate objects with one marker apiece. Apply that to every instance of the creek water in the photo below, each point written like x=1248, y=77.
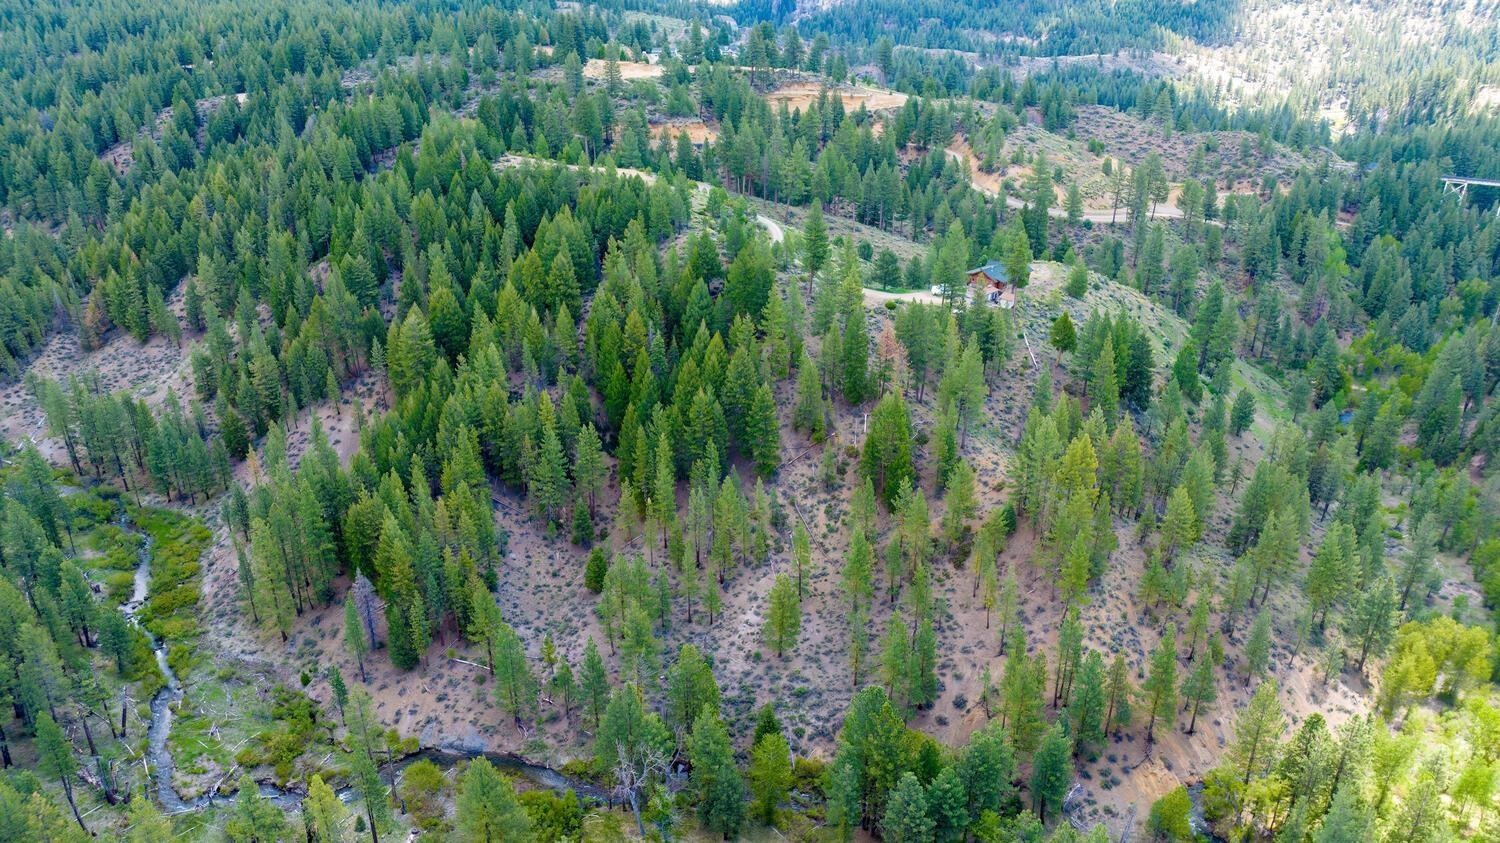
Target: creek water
x=159, y=755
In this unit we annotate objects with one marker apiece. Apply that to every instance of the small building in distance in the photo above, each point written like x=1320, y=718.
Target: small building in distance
x=995, y=284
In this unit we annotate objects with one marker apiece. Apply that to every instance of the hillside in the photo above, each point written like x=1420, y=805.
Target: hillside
x=586, y=424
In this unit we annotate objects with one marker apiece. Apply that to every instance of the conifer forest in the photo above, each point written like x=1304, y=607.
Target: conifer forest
x=1061, y=421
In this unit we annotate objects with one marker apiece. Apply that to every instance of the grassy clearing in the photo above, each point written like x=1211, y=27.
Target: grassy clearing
x=110, y=554
x=171, y=611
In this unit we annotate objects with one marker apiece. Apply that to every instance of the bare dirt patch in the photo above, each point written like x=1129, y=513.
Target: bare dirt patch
x=698, y=132
x=800, y=95
x=1487, y=98
x=629, y=70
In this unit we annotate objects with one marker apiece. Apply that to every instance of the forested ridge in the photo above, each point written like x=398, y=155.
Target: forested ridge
x=601, y=387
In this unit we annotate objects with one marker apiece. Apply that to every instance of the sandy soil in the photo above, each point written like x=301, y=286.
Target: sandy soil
x=599, y=69
x=698, y=132
x=1487, y=98
x=800, y=95
x=984, y=182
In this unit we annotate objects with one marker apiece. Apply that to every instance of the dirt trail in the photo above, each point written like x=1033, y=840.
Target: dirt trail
x=772, y=227
x=879, y=297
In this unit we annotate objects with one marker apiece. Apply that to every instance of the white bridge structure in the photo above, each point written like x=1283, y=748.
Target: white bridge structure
x=1460, y=185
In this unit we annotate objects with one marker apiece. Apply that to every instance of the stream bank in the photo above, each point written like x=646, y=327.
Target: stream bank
x=159, y=755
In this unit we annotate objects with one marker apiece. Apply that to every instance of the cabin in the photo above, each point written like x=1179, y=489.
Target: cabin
x=991, y=278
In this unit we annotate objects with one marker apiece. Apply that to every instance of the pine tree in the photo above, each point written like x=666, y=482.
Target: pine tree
x=1200, y=689
x=1022, y=688
x=516, y=686
x=1418, y=560
x=548, y=481
x=858, y=571
x=1074, y=204
x=1086, y=710
x=1051, y=771
x=959, y=504
x=588, y=465
x=594, y=682
x=323, y=812
x=716, y=782
x=1242, y=414
x=923, y=680
x=1160, y=688
x=1197, y=625
x=814, y=243
x=887, y=458
x=778, y=344
x=1170, y=817
x=801, y=557
x=253, y=817
x=963, y=389
x=690, y=688
x=148, y=825
x=895, y=660
x=663, y=505
x=1018, y=259
x=854, y=346
x=354, y=636
x=1256, y=732
x=783, y=616
x=55, y=758
x=1330, y=574
x=1118, y=714
x=1258, y=647
x=486, y=808
x=1179, y=528
x=1348, y=819
x=770, y=775
x=1104, y=389
x=1373, y=621
x=763, y=432
x=808, y=413
x=906, y=819
x=1064, y=337
x=1078, y=279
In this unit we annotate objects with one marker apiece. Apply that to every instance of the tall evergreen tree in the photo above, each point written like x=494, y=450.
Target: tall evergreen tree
x=770, y=775
x=1160, y=688
x=1051, y=772
x=716, y=782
